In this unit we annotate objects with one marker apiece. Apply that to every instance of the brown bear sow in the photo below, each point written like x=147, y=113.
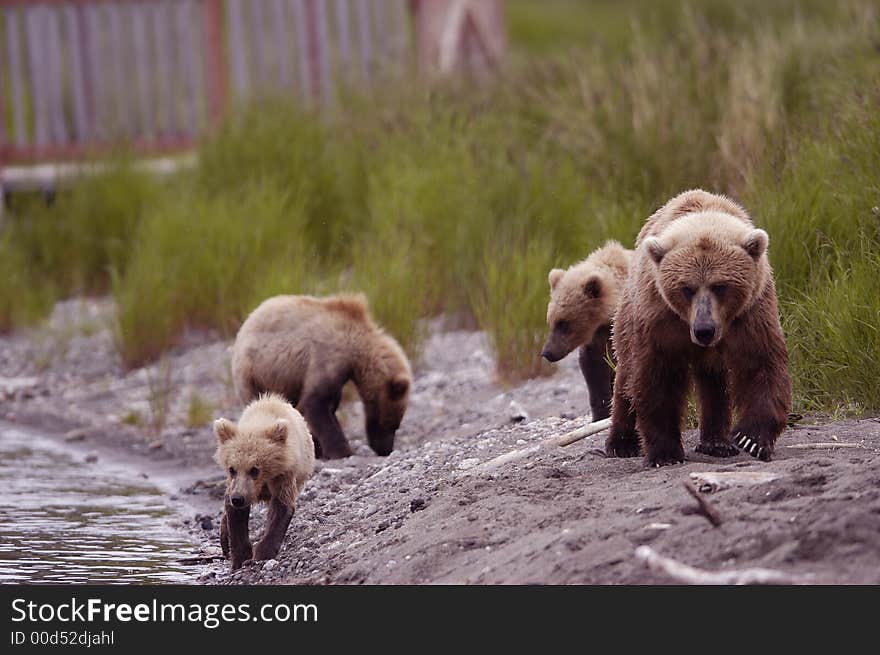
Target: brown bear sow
x=700, y=303
x=582, y=303
x=268, y=457
x=307, y=348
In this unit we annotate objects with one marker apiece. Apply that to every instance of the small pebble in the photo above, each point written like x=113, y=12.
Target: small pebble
x=75, y=435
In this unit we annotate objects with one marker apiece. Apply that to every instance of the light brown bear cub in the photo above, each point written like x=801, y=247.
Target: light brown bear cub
x=268, y=457
x=700, y=303
x=307, y=348
x=582, y=303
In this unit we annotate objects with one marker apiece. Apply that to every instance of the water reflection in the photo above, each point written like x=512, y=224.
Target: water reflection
x=65, y=521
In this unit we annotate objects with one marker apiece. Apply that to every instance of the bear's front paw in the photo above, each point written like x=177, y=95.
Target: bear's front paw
x=663, y=457
x=753, y=448
x=717, y=449
x=265, y=551
x=623, y=446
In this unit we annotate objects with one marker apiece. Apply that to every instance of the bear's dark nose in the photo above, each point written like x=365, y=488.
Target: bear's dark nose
x=705, y=334
x=549, y=356
x=237, y=501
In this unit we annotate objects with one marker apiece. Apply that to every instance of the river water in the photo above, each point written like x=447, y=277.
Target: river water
x=66, y=521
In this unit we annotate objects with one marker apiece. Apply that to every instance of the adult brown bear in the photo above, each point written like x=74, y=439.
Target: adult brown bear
x=700, y=303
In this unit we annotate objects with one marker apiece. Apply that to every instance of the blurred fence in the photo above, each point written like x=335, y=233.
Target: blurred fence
x=79, y=75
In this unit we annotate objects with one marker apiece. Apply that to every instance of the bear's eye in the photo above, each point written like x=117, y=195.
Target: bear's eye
x=254, y=472
x=718, y=289
x=231, y=471
x=563, y=326
x=688, y=292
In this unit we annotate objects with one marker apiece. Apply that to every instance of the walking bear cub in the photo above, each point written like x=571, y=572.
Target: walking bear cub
x=307, y=348
x=700, y=303
x=267, y=457
x=582, y=303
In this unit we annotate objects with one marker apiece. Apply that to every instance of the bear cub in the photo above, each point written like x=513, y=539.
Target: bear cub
x=307, y=348
x=267, y=457
x=583, y=299
x=699, y=306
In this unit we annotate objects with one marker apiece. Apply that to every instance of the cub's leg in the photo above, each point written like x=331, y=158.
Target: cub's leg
x=320, y=414
x=712, y=393
x=598, y=375
x=277, y=522
x=224, y=535
x=237, y=529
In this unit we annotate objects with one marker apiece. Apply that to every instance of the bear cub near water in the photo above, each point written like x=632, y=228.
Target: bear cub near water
x=583, y=299
x=267, y=457
x=307, y=348
x=699, y=305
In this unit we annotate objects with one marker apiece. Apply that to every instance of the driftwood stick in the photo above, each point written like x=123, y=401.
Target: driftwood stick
x=691, y=575
x=523, y=453
x=585, y=431
x=703, y=506
x=506, y=458
x=824, y=445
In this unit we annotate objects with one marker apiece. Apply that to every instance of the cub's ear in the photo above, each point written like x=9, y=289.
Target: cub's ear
x=756, y=243
x=397, y=387
x=655, y=249
x=278, y=431
x=593, y=287
x=224, y=429
x=554, y=277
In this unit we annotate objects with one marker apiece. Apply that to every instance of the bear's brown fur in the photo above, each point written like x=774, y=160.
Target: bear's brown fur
x=267, y=457
x=582, y=303
x=307, y=348
x=700, y=303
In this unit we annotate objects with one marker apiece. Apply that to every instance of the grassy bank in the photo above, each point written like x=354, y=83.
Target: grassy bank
x=458, y=200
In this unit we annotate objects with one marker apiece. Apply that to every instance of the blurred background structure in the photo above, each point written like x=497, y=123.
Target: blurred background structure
x=81, y=75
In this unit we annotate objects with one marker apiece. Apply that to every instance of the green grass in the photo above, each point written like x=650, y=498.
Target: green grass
x=198, y=411
x=457, y=199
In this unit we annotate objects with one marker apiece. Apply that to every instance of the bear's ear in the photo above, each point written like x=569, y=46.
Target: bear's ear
x=593, y=287
x=224, y=429
x=397, y=388
x=554, y=277
x=655, y=249
x=756, y=243
x=278, y=431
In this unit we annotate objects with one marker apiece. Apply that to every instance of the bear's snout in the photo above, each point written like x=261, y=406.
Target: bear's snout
x=238, y=501
x=549, y=355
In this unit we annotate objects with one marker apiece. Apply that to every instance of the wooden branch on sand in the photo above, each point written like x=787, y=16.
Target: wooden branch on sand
x=824, y=445
x=522, y=453
x=691, y=575
x=586, y=431
x=703, y=506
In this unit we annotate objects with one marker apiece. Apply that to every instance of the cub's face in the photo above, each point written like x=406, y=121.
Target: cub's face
x=251, y=459
x=578, y=306
x=708, y=284
x=384, y=416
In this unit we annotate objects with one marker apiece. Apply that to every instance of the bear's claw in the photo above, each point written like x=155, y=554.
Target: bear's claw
x=622, y=447
x=753, y=448
x=664, y=458
x=717, y=449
